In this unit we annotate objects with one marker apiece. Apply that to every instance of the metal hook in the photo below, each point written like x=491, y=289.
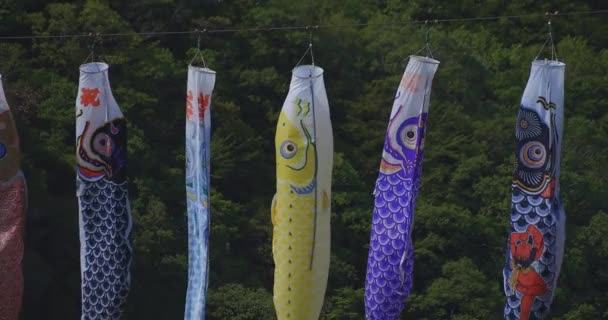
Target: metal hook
x=550, y=27
x=426, y=33
x=549, y=40
x=427, y=39
x=550, y=15
x=95, y=36
x=198, y=47
x=427, y=46
x=309, y=49
x=309, y=29
x=198, y=41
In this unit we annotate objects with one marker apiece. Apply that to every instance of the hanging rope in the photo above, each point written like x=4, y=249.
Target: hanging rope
x=327, y=26
x=427, y=41
x=312, y=56
x=549, y=38
x=427, y=46
x=553, y=50
x=198, y=49
x=95, y=37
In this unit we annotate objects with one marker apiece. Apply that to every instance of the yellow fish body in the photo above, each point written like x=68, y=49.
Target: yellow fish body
x=301, y=206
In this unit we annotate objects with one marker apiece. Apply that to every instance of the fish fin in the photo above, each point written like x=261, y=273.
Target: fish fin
x=273, y=210
x=325, y=200
x=26, y=206
x=406, y=269
x=273, y=216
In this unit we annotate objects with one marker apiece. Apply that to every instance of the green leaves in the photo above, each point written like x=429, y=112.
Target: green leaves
x=346, y=303
x=462, y=292
x=234, y=301
x=462, y=212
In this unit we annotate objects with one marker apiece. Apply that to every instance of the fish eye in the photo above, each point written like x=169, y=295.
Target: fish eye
x=103, y=144
x=288, y=149
x=530, y=240
x=2, y=150
x=409, y=136
x=533, y=154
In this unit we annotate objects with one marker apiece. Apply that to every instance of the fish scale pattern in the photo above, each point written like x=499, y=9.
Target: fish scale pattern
x=201, y=82
x=534, y=210
x=197, y=190
x=294, y=285
x=106, y=249
x=391, y=259
x=198, y=242
x=12, y=220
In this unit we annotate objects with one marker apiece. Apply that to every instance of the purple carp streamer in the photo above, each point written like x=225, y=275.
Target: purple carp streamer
x=537, y=226
x=391, y=254
x=13, y=202
x=198, y=142
x=103, y=198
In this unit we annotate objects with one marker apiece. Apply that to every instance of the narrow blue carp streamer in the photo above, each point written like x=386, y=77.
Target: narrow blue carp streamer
x=390, y=262
x=103, y=197
x=198, y=141
x=537, y=226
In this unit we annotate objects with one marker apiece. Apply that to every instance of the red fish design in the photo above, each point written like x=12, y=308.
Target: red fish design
x=526, y=248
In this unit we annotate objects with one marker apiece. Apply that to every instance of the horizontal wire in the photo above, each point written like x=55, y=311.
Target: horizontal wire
x=302, y=27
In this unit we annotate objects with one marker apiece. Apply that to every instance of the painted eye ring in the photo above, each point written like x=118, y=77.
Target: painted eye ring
x=409, y=136
x=103, y=144
x=533, y=154
x=528, y=125
x=2, y=150
x=288, y=149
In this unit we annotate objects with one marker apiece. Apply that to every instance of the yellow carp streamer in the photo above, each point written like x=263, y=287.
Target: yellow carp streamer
x=301, y=207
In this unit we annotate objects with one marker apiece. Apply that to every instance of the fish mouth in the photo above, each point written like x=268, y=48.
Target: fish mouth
x=304, y=190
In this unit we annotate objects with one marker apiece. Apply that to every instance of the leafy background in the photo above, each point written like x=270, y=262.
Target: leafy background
x=463, y=207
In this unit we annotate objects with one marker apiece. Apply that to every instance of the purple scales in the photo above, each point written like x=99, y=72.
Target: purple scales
x=390, y=263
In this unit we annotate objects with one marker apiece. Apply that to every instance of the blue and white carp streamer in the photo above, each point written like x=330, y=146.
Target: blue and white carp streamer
x=198, y=142
x=103, y=197
x=537, y=225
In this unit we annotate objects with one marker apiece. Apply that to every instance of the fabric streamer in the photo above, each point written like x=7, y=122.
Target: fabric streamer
x=390, y=261
x=13, y=203
x=103, y=198
x=198, y=141
x=537, y=226
x=301, y=206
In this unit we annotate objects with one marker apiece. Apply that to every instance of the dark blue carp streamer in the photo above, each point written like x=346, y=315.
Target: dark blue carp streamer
x=103, y=198
x=390, y=262
x=537, y=226
x=198, y=146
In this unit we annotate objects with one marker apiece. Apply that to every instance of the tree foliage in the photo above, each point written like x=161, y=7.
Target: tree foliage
x=463, y=207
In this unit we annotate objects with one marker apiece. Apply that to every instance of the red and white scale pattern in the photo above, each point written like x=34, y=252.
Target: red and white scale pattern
x=12, y=223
